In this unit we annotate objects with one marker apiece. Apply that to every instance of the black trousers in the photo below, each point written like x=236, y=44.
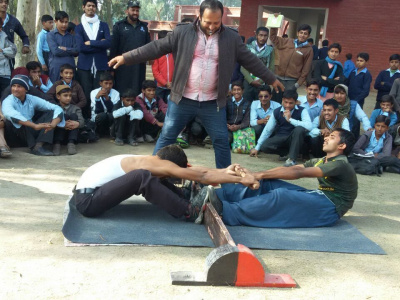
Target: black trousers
x=294, y=142
x=103, y=123
x=151, y=129
x=46, y=56
x=89, y=82
x=138, y=182
x=390, y=161
x=61, y=135
x=124, y=128
x=258, y=130
x=163, y=94
x=27, y=136
x=4, y=82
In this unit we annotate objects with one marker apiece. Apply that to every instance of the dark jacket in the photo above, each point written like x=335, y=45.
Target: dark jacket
x=78, y=96
x=96, y=50
x=238, y=115
x=384, y=76
x=359, y=86
x=73, y=109
x=322, y=52
x=148, y=116
x=14, y=26
x=363, y=142
x=321, y=68
x=182, y=42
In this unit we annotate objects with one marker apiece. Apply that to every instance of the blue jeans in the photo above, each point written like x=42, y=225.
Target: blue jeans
x=276, y=204
x=212, y=118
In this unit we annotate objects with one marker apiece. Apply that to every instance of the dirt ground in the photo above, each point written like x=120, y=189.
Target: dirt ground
x=36, y=264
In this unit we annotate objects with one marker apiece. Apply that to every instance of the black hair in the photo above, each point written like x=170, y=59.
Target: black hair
x=250, y=40
x=128, y=93
x=349, y=56
x=304, y=27
x=66, y=67
x=238, y=83
x=285, y=35
x=265, y=88
x=383, y=119
x=106, y=76
x=336, y=46
x=149, y=84
x=68, y=89
x=46, y=18
x=290, y=94
x=325, y=43
x=262, y=28
x=162, y=34
x=388, y=98
x=363, y=55
x=60, y=15
x=212, y=5
x=71, y=27
x=33, y=65
x=84, y=2
x=313, y=81
x=331, y=102
x=310, y=40
x=394, y=57
x=174, y=154
x=187, y=20
x=346, y=137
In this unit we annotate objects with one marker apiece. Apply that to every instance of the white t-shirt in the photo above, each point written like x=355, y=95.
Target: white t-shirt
x=102, y=172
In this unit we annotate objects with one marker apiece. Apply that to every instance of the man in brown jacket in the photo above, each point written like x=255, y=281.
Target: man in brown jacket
x=295, y=58
x=205, y=53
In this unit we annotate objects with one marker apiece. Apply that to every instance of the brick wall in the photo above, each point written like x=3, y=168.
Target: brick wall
x=358, y=25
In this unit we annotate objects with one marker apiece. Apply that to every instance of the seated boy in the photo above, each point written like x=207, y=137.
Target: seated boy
x=73, y=121
x=237, y=110
x=127, y=114
x=290, y=124
x=351, y=110
x=262, y=109
x=154, y=110
x=386, y=104
x=163, y=70
x=62, y=45
x=42, y=47
x=36, y=78
x=77, y=95
x=25, y=126
x=379, y=144
x=281, y=204
x=324, y=124
x=103, y=100
x=329, y=72
x=384, y=81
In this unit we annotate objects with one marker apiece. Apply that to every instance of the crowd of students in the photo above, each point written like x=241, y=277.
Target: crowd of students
x=50, y=102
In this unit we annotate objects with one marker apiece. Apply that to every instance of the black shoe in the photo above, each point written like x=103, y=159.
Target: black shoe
x=41, y=152
x=216, y=203
x=197, y=206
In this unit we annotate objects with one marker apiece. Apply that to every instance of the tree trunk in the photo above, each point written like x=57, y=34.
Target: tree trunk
x=43, y=8
x=25, y=10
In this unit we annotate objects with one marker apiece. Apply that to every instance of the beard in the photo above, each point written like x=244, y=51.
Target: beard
x=133, y=18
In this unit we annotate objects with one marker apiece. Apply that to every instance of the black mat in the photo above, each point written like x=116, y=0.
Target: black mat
x=135, y=221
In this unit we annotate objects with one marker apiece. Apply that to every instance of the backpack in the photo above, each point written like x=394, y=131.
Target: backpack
x=87, y=134
x=244, y=140
x=365, y=165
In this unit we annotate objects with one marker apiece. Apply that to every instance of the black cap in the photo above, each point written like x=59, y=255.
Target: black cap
x=134, y=4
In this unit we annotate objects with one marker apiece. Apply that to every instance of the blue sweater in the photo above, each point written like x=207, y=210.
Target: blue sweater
x=14, y=26
x=384, y=76
x=97, y=49
x=377, y=112
x=359, y=85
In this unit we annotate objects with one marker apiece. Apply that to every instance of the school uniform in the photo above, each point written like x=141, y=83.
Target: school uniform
x=102, y=110
x=126, y=120
x=258, y=113
x=153, y=111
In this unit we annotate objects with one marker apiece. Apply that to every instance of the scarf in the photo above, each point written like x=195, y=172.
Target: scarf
x=264, y=55
x=297, y=45
x=91, y=33
x=335, y=63
x=344, y=110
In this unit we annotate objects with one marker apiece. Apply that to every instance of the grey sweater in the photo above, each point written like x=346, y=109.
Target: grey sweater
x=182, y=42
x=363, y=142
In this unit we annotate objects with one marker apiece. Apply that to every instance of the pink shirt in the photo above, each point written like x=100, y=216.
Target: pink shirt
x=203, y=77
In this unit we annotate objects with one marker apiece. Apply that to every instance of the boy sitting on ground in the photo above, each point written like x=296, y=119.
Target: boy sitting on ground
x=378, y=143
x=73, y=121
x=77, y=95
x=25, y=126
x=103, y=100
x=154, y=110
x=36, y=78
x=127, y=114
x=386, y=108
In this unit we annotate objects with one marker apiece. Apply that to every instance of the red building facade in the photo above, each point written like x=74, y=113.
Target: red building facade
x=358, y=25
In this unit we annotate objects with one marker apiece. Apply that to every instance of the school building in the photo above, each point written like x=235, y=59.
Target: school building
x=358, y=25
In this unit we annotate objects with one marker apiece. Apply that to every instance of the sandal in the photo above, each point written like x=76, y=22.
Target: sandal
x=5, y=152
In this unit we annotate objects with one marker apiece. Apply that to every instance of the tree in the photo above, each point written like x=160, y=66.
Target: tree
x=24, y=15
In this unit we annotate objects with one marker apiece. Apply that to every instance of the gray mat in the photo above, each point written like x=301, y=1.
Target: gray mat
x=135, y=221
